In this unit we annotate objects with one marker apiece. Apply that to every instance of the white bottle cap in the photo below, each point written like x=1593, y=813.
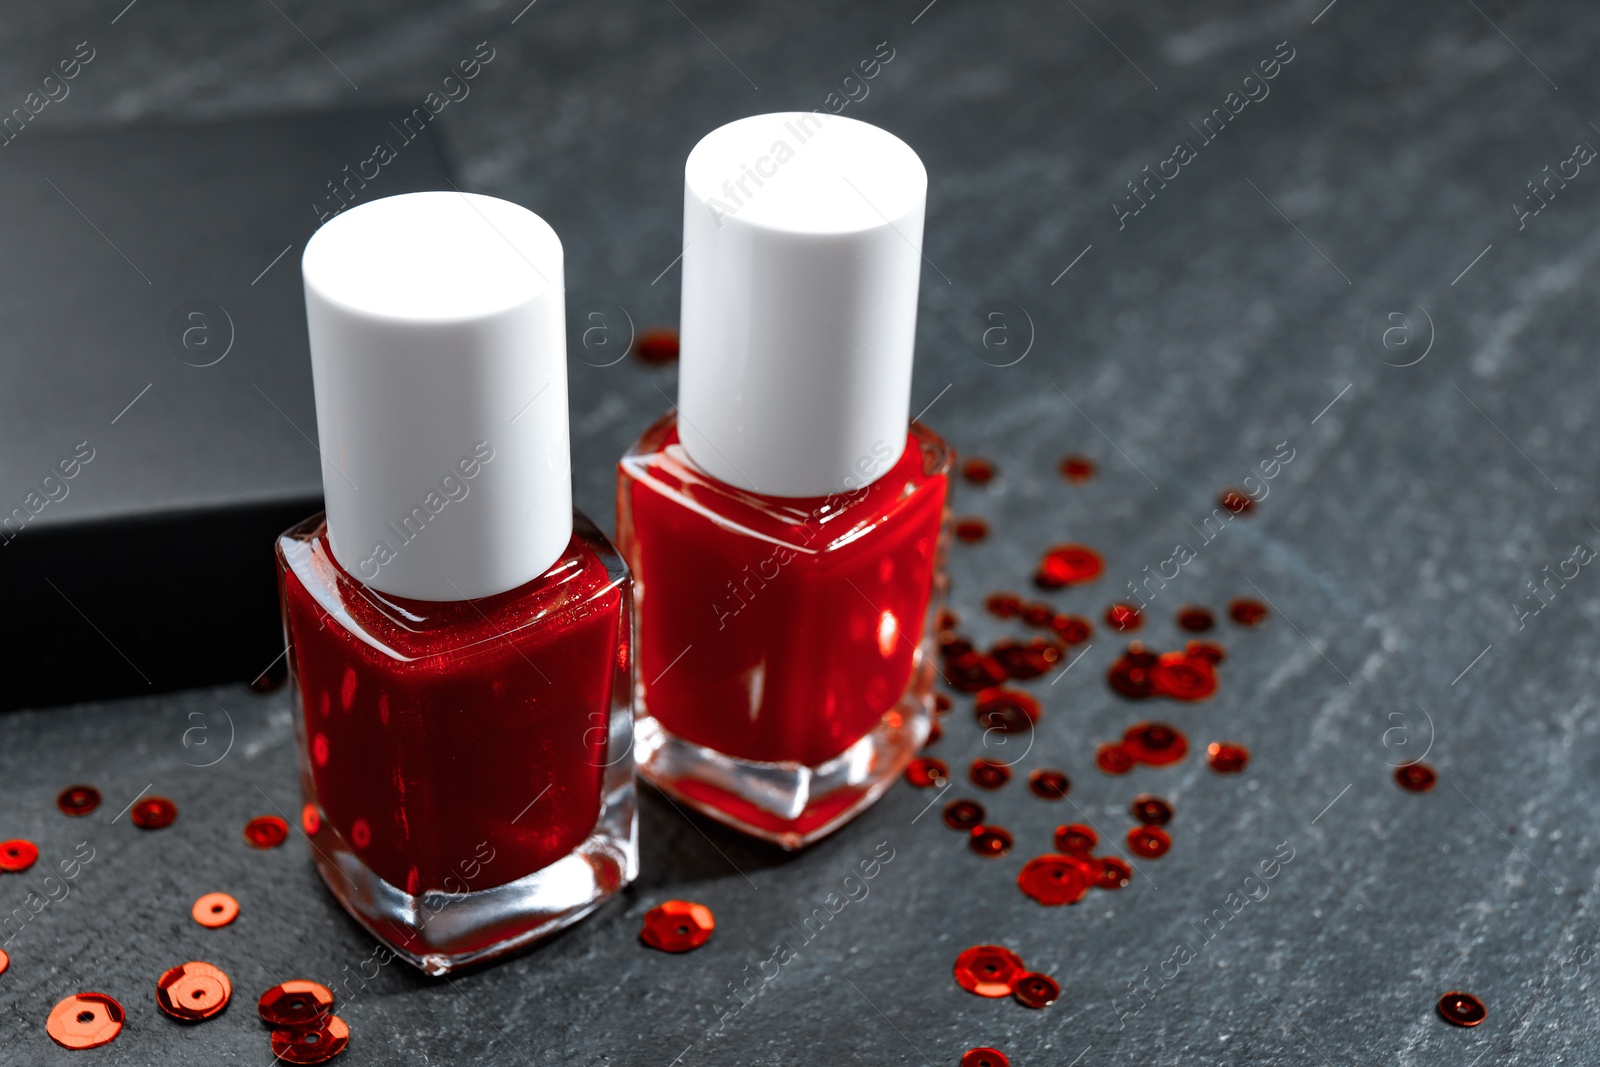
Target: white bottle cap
x=802, y=250
x=438, y=356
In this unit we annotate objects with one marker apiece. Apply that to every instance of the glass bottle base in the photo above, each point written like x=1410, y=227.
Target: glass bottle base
x=440, y=933
x=788, y=804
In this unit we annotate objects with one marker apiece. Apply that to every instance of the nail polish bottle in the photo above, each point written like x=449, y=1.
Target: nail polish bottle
x=785, y=524
x=459, y=637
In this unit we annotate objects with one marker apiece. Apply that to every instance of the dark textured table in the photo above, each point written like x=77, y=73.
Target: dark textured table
x=1442, y=460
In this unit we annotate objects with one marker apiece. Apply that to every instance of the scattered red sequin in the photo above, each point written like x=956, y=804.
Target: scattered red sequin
x=1181, y=676
x=153, y=813
x=1149, y=842
x=18, y=855
x=266, y=831
x=1007, y=710
x=1065, y=565
x=1024, y=661
x=984, y=1057
x=1130, y=674
x=78, y=799
x=935, y=730
x=947, y=621
x=987, y=774
x=1236, y=501
x=85, y=1020
x=971, y=529
x=193, y=991
x=1416, y=777
x=313, y=1044
x=1195, y=619
x=1076, y=839
x=214, y=910
x=677, y=926
x=1226, y=757
x=1113, y=759
x=1048, y=784
x=1124, y=618
x=1151, y=810
x=942, y=703
x=1057, y=879
x=988, y=970
x=1076, y=469
x=656, y=346
x=310, y=820
x=1073, y=629
x=295, y=1003
x=990, y=841
x=1036, y=990
x=963, y=814
x=1462, y=1009
x=1247, y=612
x=977, y=470
x=927, y=771
x=1112, y=872
x=1155, y=743
x=1003, y=605
x=1209, y=651
x=5, y=961
x=971, y=672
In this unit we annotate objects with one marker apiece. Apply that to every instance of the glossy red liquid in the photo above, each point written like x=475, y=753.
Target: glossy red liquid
x=779, y=629
x=443, y=738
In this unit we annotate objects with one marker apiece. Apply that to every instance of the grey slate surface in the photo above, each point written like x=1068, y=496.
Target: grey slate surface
x=1221, y=320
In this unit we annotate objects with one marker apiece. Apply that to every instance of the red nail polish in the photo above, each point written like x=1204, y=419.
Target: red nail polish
x=459, y=636
x=785, y=524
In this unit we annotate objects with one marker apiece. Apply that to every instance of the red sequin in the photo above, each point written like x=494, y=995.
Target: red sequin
x=153, y=813
x=18, y=855
x=1195, y=619
x=1076, y=469
x=310, y=820
x=1025, y=661
x=1112, y=873
x=988, y=970
x=266, y=831
x=78, y=799
x=984, y=1057
x=1124, y=617
x=1209, y=651
x=1462, y=1009
x=971, y=672
x=1130, y=673
x=1036, y=990
x=1151, y=810
x=312, y=1044
x=1007, y=710
x=1247, y=612
x=677, y=926
x=971, y=529
x=1150, y=842
x=987, y=774
x=1236, y=501
x=1039, y=616
x=977, y=470
x=1113, y=759
x=1416, y=777
x=656, y=346
x=963, y=814
x=1003, y=605
x=947, y=621
x=935, y=730
x=1072, y=629
x=1155, y=743
x=927, y=771
x=1181, y=676
x=1048, y=784
x=1076, y=839
x=1065, y=565
x=942, y=703
x=1057, y=879
x=1224, y=757
x=990, y=841
x=294, y=1004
